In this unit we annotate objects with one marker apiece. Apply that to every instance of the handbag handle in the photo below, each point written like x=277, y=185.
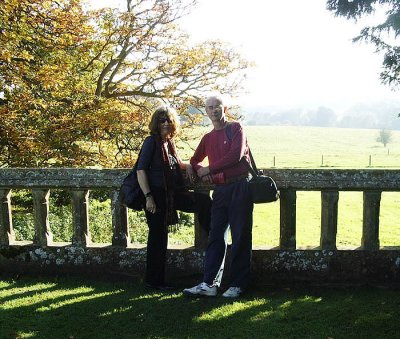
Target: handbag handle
x=253, y=167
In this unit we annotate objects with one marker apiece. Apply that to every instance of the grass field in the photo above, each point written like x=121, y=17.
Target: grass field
x=304, y=147
x=81, y=308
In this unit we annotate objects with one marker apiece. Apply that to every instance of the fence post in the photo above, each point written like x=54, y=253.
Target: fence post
x=80, y=217
x=329, y=216
x=371, y=207
x=43, y=235
x=119, y=221
x=287, y=239
x=7, y=235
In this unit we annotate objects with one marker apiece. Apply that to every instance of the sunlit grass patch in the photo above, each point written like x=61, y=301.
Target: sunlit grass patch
x=228, y=310
x=78, y=308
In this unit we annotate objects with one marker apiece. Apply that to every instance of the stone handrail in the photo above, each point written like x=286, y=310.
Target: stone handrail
x=80, y=181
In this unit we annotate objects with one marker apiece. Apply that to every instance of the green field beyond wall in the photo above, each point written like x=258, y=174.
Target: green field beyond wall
x=314, y=147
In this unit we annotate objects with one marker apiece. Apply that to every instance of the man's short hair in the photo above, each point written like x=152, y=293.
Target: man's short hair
x=217, y=97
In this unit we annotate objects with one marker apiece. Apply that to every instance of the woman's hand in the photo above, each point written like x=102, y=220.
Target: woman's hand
x=150, y=204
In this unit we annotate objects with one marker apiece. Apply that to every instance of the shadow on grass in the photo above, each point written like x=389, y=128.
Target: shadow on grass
x=75, y=308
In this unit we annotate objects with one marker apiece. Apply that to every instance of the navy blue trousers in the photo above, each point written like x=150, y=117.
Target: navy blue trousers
x=232, y=208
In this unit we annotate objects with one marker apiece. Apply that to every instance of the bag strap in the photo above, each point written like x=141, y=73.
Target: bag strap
x=253, y=167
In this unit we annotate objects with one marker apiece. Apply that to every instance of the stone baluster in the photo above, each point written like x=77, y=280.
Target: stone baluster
x=43, y=235
x=329, y=217
x=119, y=221
x=200, y=234
x=80, y=218
x=371, y=207
x=7, y=235
x=288, y=219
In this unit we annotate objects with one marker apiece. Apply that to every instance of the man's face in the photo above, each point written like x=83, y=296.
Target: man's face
x=215, y=109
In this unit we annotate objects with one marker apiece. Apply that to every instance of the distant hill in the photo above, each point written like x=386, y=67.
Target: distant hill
x=377, y=115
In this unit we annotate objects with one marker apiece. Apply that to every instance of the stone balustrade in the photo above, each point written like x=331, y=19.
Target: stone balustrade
x=284, y=262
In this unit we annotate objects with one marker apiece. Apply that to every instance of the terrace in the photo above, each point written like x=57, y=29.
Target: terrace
x=369, y=262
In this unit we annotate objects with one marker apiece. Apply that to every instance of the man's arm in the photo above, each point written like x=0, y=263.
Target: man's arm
x=196, y=162
x=198, y=156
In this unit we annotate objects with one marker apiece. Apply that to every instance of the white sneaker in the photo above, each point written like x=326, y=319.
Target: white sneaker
x=232, y=292
x=201, y=289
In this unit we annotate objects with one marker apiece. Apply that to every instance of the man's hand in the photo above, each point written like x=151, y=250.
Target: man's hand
x=207, y=178
x=190, y=174
x=202, y=171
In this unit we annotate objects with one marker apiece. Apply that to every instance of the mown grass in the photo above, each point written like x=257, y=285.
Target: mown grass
x=304, y=147
x=79, y=308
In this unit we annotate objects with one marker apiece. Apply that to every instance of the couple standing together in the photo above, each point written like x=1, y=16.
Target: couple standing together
x=159, y=177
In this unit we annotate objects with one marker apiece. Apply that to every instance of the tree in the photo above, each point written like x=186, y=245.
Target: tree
x=77, y=86
x=385, y=136
x=383, y=36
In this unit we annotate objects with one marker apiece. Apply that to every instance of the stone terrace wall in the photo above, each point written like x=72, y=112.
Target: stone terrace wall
x=370, y=262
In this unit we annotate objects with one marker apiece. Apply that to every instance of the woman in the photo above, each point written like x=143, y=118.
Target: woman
x=159, y=175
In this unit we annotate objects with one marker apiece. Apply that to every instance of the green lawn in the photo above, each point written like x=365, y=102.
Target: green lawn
x=303, y=147
x=82, y=308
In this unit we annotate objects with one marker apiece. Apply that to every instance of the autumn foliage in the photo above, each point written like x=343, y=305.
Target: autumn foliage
x=77, y=86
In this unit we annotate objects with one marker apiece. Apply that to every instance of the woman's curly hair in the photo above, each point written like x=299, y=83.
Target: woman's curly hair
x=164, y=112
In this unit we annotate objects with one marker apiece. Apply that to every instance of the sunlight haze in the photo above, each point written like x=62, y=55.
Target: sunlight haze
x=304, y=56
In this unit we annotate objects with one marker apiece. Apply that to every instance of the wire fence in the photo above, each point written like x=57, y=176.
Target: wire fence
x=329, y=160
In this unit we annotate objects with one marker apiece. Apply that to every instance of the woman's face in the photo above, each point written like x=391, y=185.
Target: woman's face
x=164, y=125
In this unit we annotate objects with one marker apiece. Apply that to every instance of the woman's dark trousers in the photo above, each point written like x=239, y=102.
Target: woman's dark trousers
x=157, y=241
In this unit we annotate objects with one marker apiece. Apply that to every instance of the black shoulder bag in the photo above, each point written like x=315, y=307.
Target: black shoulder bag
x=130, y=193
x=263, y=188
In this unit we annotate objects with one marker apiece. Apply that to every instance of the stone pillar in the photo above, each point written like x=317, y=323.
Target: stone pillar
x=43, y=235
x=119, y=221
x=200, y=234
x=7, y=235
x=287, y=219
x=329, y=217
x=371, y=207
x=80, y=218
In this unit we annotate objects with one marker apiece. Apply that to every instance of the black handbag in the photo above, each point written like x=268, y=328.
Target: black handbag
x=263, y=188
x=130, y=193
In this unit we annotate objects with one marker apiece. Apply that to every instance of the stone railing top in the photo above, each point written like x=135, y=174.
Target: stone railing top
x=297, y=179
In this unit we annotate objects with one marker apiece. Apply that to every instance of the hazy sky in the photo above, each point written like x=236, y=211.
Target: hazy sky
x=304, y=55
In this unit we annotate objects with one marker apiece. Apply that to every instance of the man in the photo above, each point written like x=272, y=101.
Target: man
x=232, y=206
